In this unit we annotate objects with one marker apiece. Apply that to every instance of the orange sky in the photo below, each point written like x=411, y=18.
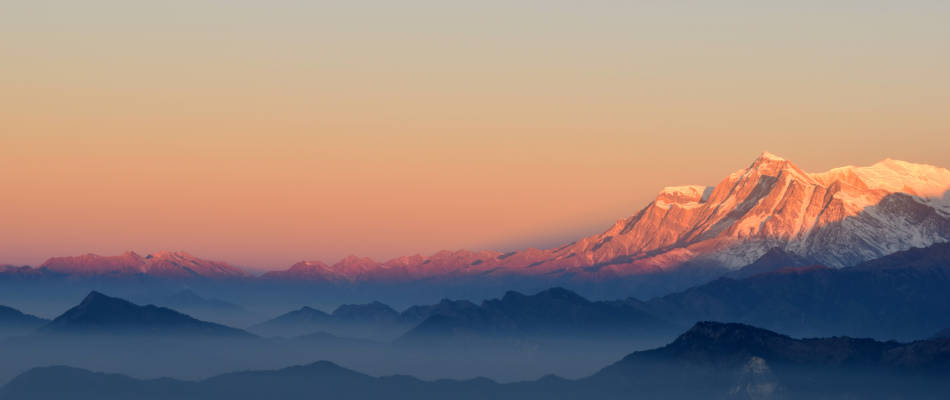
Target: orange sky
x=266, y=134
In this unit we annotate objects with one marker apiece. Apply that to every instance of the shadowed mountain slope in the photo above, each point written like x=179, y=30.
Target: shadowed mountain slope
x=374, y=320
x=903, y=296
x=189, y=302
x=717, y=360
x=772, y=260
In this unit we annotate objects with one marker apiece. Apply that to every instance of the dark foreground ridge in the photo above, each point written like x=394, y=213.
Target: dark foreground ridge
x=711, y=360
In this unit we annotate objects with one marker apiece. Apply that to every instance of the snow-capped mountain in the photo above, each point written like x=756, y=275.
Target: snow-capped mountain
x=840, y=217
x=836, y=218
x=178, y=264
x=353, y=269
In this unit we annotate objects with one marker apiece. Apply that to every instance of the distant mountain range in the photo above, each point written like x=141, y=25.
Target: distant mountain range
x=107, y=332
x=904, y=296
x=869, y=299
x=837, y=218
x=711, y=360
x=549, y=314
x=177, y=264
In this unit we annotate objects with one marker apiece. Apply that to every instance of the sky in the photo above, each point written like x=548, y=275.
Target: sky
x=264, y=133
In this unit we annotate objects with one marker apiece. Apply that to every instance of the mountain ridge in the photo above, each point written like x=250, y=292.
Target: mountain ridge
x=839, y=217
x=170, y=264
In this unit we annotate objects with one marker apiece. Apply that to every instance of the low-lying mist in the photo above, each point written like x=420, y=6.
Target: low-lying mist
x=197, y=358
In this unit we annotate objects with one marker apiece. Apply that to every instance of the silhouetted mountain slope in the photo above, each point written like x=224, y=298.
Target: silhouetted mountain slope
x=210, y=309
x=14, y=322
x=374, y=320
x=300, y=382
x=446, y=307
x=101, y=314
x=709, y=361
x=373, y=312
x=61, y=382
x=741, y=361
x=901, y=296
x=552, y=313
x=187, y=298
x=774, y=259
x=731, y=345
x=934, y=258
x=297, y=322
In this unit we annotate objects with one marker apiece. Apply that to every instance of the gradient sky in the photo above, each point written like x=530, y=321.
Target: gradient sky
x=263, y=133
